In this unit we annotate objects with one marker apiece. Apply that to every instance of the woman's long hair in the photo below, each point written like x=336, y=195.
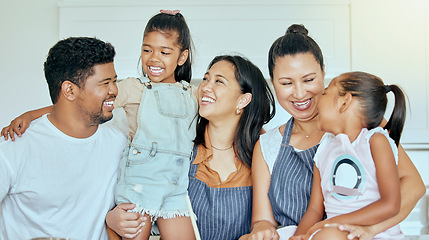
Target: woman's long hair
x=258, y=112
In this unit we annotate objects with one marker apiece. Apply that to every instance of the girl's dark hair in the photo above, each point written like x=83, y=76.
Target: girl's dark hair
x=295, y=41
x=168, y=23
x=372, y=94
x=259, y=111
x=73, y=59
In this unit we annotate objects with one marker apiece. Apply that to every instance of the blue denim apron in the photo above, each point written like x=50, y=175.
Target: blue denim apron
x=222, y=213
x=291, y=181
x=153, y=173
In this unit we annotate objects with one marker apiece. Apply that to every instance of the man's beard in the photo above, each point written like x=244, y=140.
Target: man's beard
x=99, y=118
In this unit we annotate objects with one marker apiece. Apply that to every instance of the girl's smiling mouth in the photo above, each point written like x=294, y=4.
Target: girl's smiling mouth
x=156, y=71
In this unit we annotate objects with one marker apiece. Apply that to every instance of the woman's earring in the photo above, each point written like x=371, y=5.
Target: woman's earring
x=238, y=111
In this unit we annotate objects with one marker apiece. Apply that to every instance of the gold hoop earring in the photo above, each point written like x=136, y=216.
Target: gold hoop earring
x=238, y=111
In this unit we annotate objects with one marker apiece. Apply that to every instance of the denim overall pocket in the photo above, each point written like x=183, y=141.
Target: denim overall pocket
x=178, y=108
x=137, y=158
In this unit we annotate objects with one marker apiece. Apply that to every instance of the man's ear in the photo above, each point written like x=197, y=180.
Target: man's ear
x=346, y=101
x=183, y=57
x=69, y=90
x=245, y=99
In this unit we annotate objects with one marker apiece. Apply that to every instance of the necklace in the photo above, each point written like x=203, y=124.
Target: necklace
x=221, y=149
x=307, y=135
x=300, y=131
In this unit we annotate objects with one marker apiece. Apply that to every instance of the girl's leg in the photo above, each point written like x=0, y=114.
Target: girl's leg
x=178, y=228
x=331, y=233
x=145, y=233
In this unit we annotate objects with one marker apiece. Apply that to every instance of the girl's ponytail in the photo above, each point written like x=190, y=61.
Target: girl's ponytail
x=396, y=122
x=372, y=95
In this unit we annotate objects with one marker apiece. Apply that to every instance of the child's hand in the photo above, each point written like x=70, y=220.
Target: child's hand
x=5, y=133
x=17, y=126
x=264, y=230
x=126, y=224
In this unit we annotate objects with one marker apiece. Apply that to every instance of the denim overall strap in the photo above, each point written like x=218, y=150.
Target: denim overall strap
x=291, y=181
x=185, y=85
x=222, y=213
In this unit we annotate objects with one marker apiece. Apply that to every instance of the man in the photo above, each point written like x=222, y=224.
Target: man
x=58, y=179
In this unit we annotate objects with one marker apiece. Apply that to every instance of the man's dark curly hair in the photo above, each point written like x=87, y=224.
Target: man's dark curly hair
x=73, y=59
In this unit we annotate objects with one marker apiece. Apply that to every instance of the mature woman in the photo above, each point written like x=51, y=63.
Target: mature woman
x=235, y=102
x=282, y=167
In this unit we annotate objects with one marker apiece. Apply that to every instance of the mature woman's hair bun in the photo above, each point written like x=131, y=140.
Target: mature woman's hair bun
x=297, y=28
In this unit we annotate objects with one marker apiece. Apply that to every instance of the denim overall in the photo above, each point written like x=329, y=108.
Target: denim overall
x=222, y=213
x=291, y=181
x=153, y=170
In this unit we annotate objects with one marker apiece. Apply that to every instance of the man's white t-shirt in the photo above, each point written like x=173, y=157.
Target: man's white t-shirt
x=56, y=185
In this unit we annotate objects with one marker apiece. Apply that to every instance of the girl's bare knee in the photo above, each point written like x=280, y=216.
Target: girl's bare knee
x=331, y=233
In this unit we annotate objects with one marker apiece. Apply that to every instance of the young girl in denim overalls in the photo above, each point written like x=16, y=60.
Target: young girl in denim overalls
x=154, y=169
x=355, y=175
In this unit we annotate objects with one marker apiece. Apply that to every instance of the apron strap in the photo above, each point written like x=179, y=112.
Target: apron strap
x=193, y=168
x=288, y=131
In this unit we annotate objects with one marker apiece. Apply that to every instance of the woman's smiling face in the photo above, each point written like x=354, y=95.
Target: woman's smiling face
x=219, y=92
x=298, y=82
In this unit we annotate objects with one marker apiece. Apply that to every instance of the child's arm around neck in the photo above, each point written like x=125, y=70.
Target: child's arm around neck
x=21, y=123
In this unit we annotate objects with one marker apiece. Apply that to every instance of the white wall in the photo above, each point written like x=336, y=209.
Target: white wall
x=28, y=29
x=392, y=41
x=389, y=38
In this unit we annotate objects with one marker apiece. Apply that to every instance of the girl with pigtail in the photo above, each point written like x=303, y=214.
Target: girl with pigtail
x=355, y=178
